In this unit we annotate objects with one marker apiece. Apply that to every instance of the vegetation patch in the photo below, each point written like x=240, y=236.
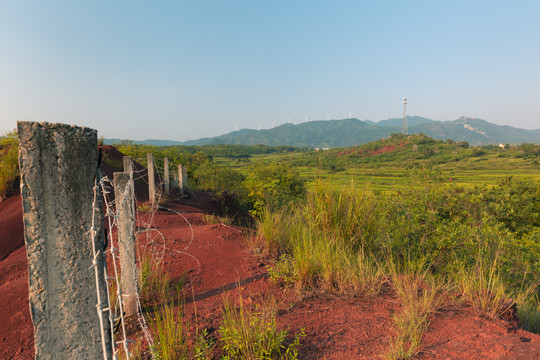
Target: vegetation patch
x=342, y=242
x=9, y=164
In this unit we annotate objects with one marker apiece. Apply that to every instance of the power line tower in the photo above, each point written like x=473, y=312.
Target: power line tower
x=405, y=129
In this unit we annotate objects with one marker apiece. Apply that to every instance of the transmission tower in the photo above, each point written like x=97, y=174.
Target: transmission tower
x=405, y=130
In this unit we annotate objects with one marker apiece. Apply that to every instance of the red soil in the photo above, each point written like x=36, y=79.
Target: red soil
x=216, y=263
x=11, y=225
x=16, y=331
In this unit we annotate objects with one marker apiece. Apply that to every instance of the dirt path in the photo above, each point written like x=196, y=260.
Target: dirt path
x=215, y=262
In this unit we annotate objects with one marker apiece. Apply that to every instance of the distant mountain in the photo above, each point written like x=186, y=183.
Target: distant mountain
x=154, y=142
x=476, y=132
x=411, y=121
x=332, y=133
x=351, y=132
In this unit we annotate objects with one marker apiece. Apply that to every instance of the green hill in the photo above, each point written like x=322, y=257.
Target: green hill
x=351, y=132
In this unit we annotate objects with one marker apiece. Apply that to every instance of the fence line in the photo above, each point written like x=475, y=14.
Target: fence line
x=113, y=251
x=147, y=230
x=99, y=305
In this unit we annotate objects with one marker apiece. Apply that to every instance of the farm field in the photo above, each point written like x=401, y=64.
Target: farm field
x=385, y=177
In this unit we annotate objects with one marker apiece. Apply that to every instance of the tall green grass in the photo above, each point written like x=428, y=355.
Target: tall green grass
x=325, y=238
x=175, y=338
x=154, y=280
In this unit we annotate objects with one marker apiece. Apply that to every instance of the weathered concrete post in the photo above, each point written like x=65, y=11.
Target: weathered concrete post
x=123, y=194
x=128, y=164
x=128, y=168
x=181, y=179
x=151, y=180
x=184, y=177
x=62, y=218
x=166, y=175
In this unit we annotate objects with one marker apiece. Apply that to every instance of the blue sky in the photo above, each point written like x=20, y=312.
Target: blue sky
x=188, y=69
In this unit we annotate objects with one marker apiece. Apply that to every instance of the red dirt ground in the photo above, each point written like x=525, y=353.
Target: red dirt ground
x=11, y=225
x=216, y=263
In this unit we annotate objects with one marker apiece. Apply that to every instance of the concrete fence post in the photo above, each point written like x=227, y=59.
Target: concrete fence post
x=151, y=180
x=63, y=217
x=128, y=164
x=184, y=177
x=166, y=175
x=128, y=168
x=123, y=194
x=181, y=179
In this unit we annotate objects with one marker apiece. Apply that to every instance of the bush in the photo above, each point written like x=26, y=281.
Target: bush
x=273, y=185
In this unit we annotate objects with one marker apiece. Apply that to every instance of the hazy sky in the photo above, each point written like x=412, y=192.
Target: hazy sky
x=187, y=69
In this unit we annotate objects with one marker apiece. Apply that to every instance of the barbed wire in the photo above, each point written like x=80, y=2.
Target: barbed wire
x=110, y=214
x=149, y=240
x=96, y=253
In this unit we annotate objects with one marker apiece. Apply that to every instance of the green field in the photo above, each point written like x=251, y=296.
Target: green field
x=486, y=170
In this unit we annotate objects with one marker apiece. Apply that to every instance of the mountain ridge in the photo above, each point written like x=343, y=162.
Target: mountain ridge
x=352, y=132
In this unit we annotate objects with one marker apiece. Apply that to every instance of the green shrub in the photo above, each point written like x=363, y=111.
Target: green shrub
x=283, y=270
x=273, y=185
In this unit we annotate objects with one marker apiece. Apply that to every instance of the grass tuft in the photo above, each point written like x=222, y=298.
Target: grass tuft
x=154, y=281
x=217, y=220
x=247, y=334
x=170, y=332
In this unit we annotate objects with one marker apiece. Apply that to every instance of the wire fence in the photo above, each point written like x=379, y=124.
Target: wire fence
x=148, y=240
